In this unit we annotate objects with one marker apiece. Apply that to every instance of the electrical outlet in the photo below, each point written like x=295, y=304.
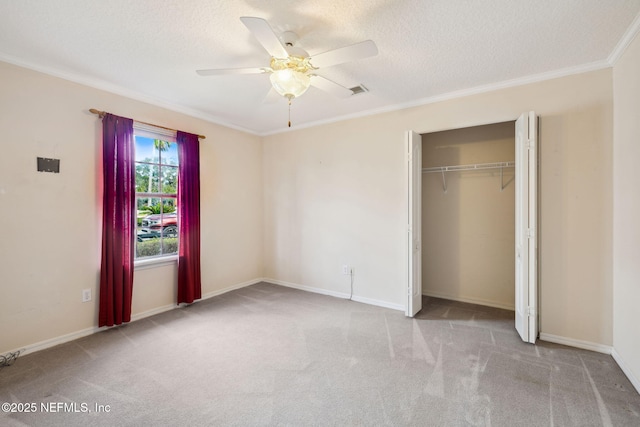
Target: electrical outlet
x=86, y=295
x=346, y=270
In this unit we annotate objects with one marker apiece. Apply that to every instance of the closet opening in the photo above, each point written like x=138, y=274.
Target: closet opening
x=468, y=215
x=472, y=218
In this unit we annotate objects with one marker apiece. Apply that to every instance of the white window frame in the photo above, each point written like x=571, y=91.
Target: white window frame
x=145, y=130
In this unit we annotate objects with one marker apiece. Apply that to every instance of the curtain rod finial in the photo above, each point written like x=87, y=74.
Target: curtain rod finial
x=98, y=112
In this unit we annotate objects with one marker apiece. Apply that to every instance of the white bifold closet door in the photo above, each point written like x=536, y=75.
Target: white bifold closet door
x=526, y=243
x=414, y=222
x=526, y=280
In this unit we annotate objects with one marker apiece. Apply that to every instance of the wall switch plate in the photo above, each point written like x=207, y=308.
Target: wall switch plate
x=86, y=295
x=345, y=270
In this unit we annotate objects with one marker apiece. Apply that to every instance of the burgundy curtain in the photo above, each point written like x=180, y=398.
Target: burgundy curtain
x=189, y=285
x=118, y=221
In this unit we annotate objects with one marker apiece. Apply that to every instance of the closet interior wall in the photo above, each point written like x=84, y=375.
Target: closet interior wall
x=468, y=230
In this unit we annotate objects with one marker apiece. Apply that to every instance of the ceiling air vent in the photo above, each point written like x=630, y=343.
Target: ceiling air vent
x=358, y=89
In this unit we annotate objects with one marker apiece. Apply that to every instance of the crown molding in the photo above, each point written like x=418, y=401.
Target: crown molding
x=625, y=41
x=119, y=90
x=520, y=81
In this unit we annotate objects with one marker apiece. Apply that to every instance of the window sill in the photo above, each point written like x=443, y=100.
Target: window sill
x=144, y=264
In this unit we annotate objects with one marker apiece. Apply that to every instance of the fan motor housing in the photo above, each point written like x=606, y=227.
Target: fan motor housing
x=289, y=38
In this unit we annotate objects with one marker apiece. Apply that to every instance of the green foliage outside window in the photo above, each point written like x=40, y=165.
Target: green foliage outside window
x=152, y=247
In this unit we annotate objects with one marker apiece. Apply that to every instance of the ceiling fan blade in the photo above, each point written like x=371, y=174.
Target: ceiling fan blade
x=264, y=34
x=331, y=87
x=360, y=50
x=225, y=71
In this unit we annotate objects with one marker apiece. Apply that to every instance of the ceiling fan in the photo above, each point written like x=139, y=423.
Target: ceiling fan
x=292, y=69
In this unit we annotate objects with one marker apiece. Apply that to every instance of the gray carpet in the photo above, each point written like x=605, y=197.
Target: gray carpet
x=269, y=355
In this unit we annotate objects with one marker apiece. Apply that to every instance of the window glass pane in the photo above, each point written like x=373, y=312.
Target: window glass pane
x=169, y=205
x=170, y=226
x=170, y=154
x=146, y=149
x=147, y=178
x=169, y=180
x=170, y=245
x=148, y=204
x=161, y=148
x=148, y=247
x=157, y=232
x=142, y=208
x=149, y=230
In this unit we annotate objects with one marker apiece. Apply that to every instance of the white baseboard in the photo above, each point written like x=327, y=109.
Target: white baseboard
x=478, y=301
x=625, y=368
x=571, y=342
x=341, y=295
x=232, y=288
x=385, y=304
x=586, y=345
x=52, y=342
x=149, y=313
x=208, y=295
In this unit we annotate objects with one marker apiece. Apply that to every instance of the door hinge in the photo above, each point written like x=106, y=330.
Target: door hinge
x=531, y=311
x=531, y=233
x=531, y=144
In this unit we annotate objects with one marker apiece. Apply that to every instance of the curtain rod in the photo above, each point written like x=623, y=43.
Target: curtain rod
x=102, y=113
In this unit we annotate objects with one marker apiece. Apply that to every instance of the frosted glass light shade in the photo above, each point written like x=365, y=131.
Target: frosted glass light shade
x=290, y=83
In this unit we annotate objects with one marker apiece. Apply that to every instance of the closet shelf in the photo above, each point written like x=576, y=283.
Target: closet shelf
x=478, y=166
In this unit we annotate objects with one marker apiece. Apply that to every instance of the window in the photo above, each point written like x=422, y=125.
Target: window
x=156, y=165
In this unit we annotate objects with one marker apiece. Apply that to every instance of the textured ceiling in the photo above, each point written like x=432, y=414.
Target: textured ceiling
x=150, y=49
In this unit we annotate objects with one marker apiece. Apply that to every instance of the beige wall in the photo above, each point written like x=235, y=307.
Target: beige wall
x=294, y=208
x=626, y=209
x=468, y=235
x=335, y=194
x=50, y=245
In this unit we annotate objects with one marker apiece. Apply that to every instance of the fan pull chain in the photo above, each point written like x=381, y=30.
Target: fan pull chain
x=289, y=111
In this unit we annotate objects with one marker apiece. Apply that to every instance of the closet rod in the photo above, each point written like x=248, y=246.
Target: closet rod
x=478, y=166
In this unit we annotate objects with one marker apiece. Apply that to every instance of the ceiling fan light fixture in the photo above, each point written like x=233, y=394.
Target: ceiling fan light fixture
x=291, y=67
x=290, y=83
